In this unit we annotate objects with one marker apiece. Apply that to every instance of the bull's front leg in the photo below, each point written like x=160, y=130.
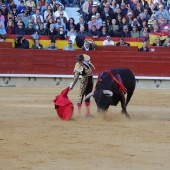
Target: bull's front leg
x=123, y=105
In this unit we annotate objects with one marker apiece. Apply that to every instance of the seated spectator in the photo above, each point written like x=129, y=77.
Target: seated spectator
x=72, y=34
x=129, y=17
x=114, y=5
x=166, y=30
x=21, y=42
x=51, y=46
x=122, y=43
x=108, y=42
x=134, y=33
x=87, y=46
x=37, y=45
x=30, y=3
x=61, y=34
x=30, y=21
x=22, y=7
x=93, y=22
x=62, y=18
x=94, y=32
x=166, y=43
x=2, y=32
x=162, y=12
x=98, y=19
x=52, y=33
x=104, y=32
x=70, y=24
x=37, y=15
x=113, y=27
x=30, y=30
x=155, y=29
x=126, y=32
x=41, y=30
x=92, y=12
x=81, y=23
x=144, y=35
x=25, y=17
x=59, y=23
x=158, y=42
x=19, y=30
x=144, y=47
x=49, y=22
x=59, y=10
x=37, y=24
x=69, y=47
x=164, y=23
x=10, y=26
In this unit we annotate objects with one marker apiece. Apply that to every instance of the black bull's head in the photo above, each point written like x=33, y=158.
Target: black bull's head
x=103, y=98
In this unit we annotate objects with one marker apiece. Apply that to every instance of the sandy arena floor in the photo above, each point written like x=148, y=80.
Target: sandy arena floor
x=32, y=137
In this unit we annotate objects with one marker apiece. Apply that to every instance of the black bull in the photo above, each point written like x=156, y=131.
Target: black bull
x=108, y=91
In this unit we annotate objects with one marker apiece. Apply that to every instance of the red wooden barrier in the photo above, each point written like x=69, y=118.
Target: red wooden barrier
x=13, y=61
x=5, y=44
x=116, y=48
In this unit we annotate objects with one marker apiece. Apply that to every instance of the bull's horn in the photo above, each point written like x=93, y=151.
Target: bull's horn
x=89, y=95
x=108, y=92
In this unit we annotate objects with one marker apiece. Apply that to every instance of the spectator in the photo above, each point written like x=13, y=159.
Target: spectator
x=19, y=30
x=87, y=46
x=108, y=42
x=124, y=9
x=106, y=13
x=126, y=32
x=49, y=22
x=122, y=43
x=166, y=43
x=48, y=15
x=162, y=12
x=98, y=19
x=21, y=42
x=24, y=16
x=69, y=47
x=93, y=22
x=30, y=30
x=81, y=36
x=94, y=32
x=81, y=23
x=144, y=34
x=92, y=13
x=52, y=33
x=157, y=42
x=51, y=46
x=2, y=32
x=72, y=34
x=61, y=34
x=104, y=32
x=22, y=7
x=30, y=3
x=144, y=47
x=113, y=27
x=30, y=21
x=166, y=30
x=134, y=33
x=87, y=8
x=41, y=30
x=10, y=26
x=164, y=23
x=59, y=24
x=4, y=12
x=70, y=24
x=37, y=15
x=73, y=2
x=62, y=18
x=37, y=45
x=155, y=29
x=2, y=18
x=60, y=9
x=114, y=5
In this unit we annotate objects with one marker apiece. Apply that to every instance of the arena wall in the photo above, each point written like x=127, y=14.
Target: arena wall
x=33, y=67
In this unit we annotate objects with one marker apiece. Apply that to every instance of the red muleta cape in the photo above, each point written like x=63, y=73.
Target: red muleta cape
x=64, y=107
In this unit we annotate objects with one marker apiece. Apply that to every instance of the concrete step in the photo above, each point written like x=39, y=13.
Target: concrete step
x=72, y=12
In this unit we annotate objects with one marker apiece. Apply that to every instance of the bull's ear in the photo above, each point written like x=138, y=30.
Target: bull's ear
x=89, y=95
x=108, y=93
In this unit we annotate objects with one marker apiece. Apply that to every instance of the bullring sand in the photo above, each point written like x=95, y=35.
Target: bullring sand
x=32, y=137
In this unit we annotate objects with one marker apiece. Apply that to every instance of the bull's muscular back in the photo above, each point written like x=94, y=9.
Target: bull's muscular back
x=124, y=75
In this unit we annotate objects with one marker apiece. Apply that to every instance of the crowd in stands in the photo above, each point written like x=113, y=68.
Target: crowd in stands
x=106, y=18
